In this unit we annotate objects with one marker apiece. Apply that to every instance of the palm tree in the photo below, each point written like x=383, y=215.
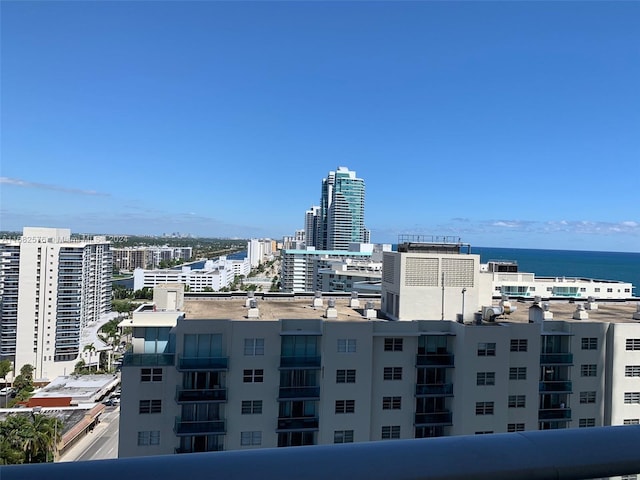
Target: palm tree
x=90, y=348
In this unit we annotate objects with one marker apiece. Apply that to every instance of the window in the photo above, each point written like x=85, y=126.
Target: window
x=517, y=401
x=251, y=407
x=392, y=373
x=343, y=436
x=391, y=403
x=250, y=438
x=253, y=376
x=253, y=346
x=515, y=427
x=486, y=349
x=149, y=438
x=631, y=421
x=390, y=431
x=345, y=376
x=609, y=290
x=484, y=408
x=588, y=397
x=517, y=373
x=633, y=343
x=151, y=375
x=345, y=406
x=588, y=370
x=632, y=371
x=597, y=289
x=486, y=378
x=589, y=343
x=346, y=345
x=393, y=344
x=586, y=422
x=632, y=397
x=150, y=406
x=519, y=345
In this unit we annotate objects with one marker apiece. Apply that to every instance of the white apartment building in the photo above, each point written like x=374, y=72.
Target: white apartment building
x=260, y=250
x=303, y=370
x=130, y=258
x=52, y=288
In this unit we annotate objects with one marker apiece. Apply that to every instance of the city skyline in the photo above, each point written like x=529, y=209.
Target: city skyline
x=506, y=124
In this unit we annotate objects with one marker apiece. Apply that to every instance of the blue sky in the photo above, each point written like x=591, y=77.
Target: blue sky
x=509, y=124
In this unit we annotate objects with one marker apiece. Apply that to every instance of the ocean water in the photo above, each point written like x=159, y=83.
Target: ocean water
x=570, y=263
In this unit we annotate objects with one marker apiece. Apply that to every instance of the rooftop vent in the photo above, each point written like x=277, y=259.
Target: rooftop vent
x=331, y=311
x=354, y=302
x=369, y=311
x=253, y=312
x=317, y=300
x=580, y=313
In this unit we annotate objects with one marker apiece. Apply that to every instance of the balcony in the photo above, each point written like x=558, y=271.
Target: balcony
x=311, y=363
x=297, y=424
x=204, y=395
x=554, y=414
x=196, y=427
x=432, y=419
x=563, y=386
x=435, y=360
x=434, y=390
x=302, y=393
x=556, y=359
x=203, y=364
x=214, y=448
x=147, y=359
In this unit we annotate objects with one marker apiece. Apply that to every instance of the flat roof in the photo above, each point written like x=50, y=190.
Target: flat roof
x=607, y=311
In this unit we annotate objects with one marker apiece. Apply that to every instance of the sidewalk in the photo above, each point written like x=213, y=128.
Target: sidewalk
x=81, y=445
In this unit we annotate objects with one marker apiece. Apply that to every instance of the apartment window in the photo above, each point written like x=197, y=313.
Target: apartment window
x=346, y=345
x=588, y=370
x=390, y=431
x=251, y=407
x=484, y=408
x=250, y=438
x=609, y=290
x=391, y=403
x=515, y=427
x=589, y=343
x=582, y=289
x=631, y=421
x=253, y=376
x=586, y=422
x=393, y=344
x=392, y=373
x=517, y=401
x=486, y=378
x=150, y=406
x=597, y=289
x=345, y=406
x=632, y=397
x=150, y=374
x=588, y=397
x=519, y=345
x=486, y=349
x=253, y=346
x=343, y=436
x=632, y=371
x=345, y=376
x=517, y=373
x=633, y=343
x=149, y=438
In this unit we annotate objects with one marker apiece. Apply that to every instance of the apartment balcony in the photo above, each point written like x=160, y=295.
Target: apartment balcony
x=190, y=364
x=214, y=448
x=554, y=414
x=199, y=427
x=563, y=386
x=439, y=390
x=435, y=360
x=299, y=393
x=311, y=363
x=433, y=419
x=556, y=359
x=148, y=359
x=298, y=424
x=201, y=395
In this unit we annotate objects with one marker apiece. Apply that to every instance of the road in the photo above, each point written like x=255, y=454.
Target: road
x=100, y=444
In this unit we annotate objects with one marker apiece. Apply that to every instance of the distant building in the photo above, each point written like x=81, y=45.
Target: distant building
x=52, y=288
x=130, y=258
x=260, y=250
x=311, y=219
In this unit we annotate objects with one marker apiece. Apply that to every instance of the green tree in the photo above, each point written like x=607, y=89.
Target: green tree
x=5, y=368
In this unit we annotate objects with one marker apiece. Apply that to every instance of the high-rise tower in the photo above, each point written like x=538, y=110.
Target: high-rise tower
x=341, y=211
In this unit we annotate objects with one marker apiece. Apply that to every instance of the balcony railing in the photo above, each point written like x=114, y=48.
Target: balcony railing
x=431, y=419
x=556, y=359
x=148, y=359
x=308, y=393
x=202, y=363
x=556, y=387
x=204, y=395
x=297, y=424
x=435, y=360
x=214, y=448
x=554, y=414
x=434, y=390
x=300, y=362
x=196, y=427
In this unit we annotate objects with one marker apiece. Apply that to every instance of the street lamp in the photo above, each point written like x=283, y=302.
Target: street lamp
x=464, y=290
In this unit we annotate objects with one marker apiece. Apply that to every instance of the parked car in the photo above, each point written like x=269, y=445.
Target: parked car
x=6, y=391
